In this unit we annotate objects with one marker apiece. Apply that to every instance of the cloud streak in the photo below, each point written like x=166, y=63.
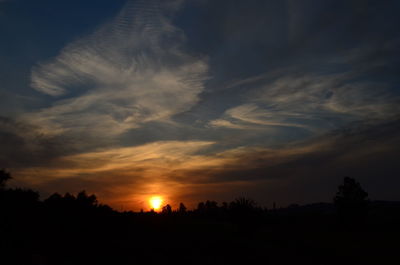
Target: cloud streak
x=129, y=72
x=309, y=101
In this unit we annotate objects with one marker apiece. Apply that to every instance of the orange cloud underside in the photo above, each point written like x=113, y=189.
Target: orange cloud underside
x=128, y=177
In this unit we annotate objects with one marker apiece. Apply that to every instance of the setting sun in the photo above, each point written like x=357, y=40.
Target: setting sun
x=155, y=202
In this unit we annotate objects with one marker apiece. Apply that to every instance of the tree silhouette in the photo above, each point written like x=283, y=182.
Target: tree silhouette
x=68, y=197
x=4, y=177
x=351, y=201
x=211, y=205
x=201, y=207
x=86, y=201
x=208, y=208
x=242, y=204
x=243, y=212
x=182, y=208
x=167, y=209
x=53, y=199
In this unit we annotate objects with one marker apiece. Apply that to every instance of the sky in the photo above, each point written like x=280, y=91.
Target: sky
x=194, y=100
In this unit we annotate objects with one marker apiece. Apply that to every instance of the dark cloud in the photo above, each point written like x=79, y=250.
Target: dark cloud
x=22, y=145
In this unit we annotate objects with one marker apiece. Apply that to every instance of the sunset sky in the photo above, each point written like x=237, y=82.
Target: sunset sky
x=192, y=100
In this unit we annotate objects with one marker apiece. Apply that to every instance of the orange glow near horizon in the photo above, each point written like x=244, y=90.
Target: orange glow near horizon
x=156, y=202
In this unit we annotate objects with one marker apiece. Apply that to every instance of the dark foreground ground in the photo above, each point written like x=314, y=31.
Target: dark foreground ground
x=58, y=232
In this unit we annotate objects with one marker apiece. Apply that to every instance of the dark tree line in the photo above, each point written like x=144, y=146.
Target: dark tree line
x=77, y=229
x=351, y=202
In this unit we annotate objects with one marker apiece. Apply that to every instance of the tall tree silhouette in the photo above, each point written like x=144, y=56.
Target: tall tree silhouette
x=351, y=201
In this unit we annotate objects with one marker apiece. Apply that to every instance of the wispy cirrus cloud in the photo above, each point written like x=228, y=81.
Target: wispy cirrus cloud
x=130, y=71
x=250, y=115
x=309, y=101
x=312, y=95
